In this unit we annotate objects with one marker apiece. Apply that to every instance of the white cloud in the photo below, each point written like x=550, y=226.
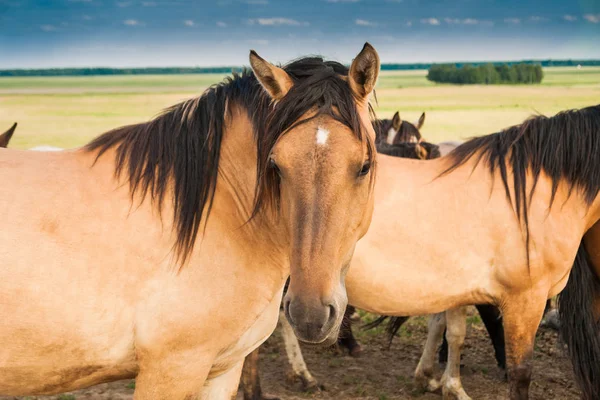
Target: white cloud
x=342, y=1
x=430, y=21
x=537, y=18
x=123, y=4
x=364, y=22
x=409, y=23
x=132, y=22
x=221, y=24
x=594, y=19
x=467, y=21
x=513, y=21
x=86, y=18
x=569, y=18
x=471, y=21
x=256, y=2
x=48, y=28
x=189, y=22
x=278, y=21
x=457, y=21
x=149, y=3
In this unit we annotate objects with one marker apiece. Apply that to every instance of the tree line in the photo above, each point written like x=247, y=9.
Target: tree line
x=228, y=69
x=117, y=71
x=486, y=74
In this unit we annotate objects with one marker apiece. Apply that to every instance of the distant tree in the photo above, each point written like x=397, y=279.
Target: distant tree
x=487, y=74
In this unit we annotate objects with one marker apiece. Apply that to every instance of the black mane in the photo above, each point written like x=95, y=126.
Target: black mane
x=181, y=147
x=565, y=147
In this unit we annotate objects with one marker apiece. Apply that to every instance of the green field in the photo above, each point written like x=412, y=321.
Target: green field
x=69, y=111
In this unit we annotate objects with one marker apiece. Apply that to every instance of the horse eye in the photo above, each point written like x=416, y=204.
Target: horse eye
x=274, y=166
x=365, y=169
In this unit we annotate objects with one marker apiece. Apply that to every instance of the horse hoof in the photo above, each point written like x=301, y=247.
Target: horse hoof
x=312, y=387
x=356, y=351
x=452, y=390
x=427, y=383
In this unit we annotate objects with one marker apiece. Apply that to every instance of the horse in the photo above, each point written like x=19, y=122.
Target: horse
x=397, y=130
x=6, y=136
x=250, y=376
x=509, y=219
x=160, y=250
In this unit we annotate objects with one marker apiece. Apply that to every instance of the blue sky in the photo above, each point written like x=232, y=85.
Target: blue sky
x=79, y=33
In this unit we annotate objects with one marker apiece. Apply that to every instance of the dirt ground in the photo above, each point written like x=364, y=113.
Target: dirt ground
x=387, y=374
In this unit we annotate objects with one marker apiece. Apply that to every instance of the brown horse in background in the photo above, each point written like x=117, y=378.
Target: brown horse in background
x=397, y=130
x=160, y=250
x=6, y=136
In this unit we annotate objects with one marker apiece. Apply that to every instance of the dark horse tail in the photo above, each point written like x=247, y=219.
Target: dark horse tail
x=393, y=326
x=578, y=324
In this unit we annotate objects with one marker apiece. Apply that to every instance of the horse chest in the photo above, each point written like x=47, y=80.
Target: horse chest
x=250, y=339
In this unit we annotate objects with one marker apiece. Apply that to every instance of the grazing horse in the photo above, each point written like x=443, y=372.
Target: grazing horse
x=6, y=136
x=160, y=250
x=508, y=219
x=397, y=130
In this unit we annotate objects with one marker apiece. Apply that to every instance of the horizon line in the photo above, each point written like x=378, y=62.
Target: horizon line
x=388, y=64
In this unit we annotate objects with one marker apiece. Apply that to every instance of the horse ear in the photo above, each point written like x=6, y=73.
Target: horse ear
x=5, y=137
x=364, y=72
x=275, y=80
x=421, y=151
x=396, y=121
x=421, y=121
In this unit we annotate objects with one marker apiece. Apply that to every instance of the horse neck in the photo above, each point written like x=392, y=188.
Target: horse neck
x=236, y=185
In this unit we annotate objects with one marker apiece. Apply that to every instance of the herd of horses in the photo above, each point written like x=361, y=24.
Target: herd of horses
x=161, y=250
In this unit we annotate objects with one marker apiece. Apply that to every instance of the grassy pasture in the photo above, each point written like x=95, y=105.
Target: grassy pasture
x=69, y=111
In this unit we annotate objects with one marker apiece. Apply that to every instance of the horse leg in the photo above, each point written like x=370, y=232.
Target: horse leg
x=455, y=333
x=251, y=379
x=424, y=372
x=346, y=338
x=492, y=319
x=522, y=315
x=224, y=386
x=294, y=355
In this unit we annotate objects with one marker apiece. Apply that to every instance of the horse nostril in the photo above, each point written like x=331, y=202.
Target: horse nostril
x=286, y=309
x=332, y=313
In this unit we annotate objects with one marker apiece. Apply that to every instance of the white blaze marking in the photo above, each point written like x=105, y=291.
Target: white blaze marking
x=322, y=136
x=391, y=135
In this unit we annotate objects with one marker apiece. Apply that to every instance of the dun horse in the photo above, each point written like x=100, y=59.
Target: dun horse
x=160, y=250
x=298, y=369
x=509, y=219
